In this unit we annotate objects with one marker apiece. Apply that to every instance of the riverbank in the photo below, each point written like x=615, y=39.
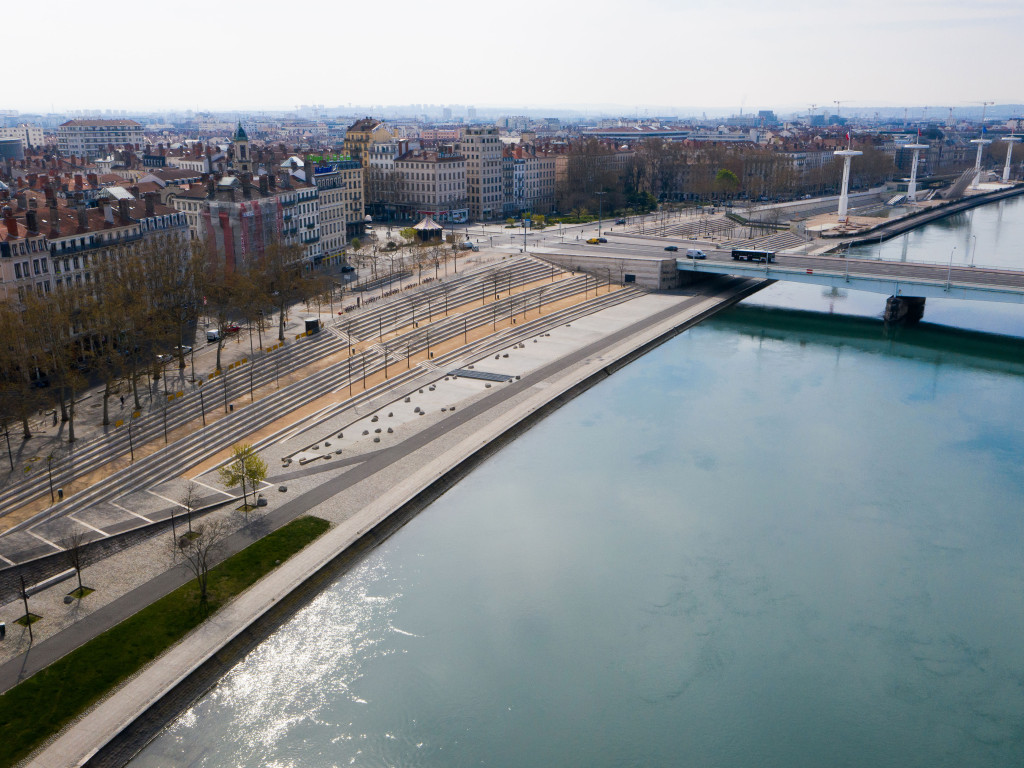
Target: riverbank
x=369, y=509
x=905, y=224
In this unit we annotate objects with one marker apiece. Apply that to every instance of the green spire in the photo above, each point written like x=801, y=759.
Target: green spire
x=240, y=133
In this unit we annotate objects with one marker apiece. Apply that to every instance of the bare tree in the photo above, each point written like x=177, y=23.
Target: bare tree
x=73, y=546
x=188, y=500
x=201, y=549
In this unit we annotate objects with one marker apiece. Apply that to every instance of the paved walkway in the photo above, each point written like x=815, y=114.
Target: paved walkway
x=357, y=496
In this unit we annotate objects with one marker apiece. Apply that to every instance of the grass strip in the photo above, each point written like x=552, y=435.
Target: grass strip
x=40, y=706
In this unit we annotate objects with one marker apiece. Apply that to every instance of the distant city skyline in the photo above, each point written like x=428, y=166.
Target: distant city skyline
x=658, y=57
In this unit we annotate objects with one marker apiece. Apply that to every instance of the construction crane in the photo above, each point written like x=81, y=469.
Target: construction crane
x=984, y=106
x=837, y=103
x=810, y=113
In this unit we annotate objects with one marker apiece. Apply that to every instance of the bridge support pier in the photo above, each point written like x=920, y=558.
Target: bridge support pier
x=904, y=310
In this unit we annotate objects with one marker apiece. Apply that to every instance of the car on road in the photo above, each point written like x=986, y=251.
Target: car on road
x=695, y=253
x=602, y=239
x=592, y=241
x=347, y=269
x=180, y=350
x=671, y=247
x=233, y=328
x=620, y=221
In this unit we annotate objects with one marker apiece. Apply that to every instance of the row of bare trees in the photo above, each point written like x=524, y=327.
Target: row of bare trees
x=663, y=170
x=133, y=306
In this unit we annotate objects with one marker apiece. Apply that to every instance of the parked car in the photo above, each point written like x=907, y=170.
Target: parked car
x=233, y=328
x=671, y=247
x=347, y=269
x=212, y=334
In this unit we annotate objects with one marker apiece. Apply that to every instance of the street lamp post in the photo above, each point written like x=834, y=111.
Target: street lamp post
x=10, y=456
x=49, y=474
x=600, y=203
x=974, y=250
x=949, y=272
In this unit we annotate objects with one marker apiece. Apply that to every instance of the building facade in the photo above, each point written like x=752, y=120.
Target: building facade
x=339, y=183
x=528, y=182
x=361, y=135
x=48, y=241
x=481, y=146
x=93, y=138
x=30, y=136
x=433, y=184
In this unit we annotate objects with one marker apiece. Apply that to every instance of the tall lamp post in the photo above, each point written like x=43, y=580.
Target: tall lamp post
x=600, y=211
x=949, y=272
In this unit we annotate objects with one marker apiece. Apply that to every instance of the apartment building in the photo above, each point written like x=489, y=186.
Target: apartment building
x=361, y=135
x=339, y=183
x=481, y=146
x=30, y=135
x=433, y=184
x=528, y=182
x=93, y=138
x=49, y=239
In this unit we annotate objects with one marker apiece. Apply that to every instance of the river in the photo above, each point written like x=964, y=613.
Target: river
x=780, y=539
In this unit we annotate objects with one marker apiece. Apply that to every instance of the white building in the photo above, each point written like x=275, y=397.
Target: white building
x=30, y=135
x=93, y=138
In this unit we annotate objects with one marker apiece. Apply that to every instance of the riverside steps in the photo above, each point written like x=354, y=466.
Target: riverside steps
x=435, y=426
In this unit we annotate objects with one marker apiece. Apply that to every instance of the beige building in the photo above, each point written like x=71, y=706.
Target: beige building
x=339, y=182
x=433, y=184
x=361, y=135
x=482, y=148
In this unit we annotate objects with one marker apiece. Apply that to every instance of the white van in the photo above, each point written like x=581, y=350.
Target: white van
x=212, y=334
x=695, y=253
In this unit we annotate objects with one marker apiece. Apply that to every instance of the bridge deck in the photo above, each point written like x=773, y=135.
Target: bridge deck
x=885, y=277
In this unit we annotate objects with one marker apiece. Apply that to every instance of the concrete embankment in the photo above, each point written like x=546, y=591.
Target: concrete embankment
x=915, y=220
x=117, y=728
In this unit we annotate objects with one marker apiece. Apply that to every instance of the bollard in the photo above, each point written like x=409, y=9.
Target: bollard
x=231, y=408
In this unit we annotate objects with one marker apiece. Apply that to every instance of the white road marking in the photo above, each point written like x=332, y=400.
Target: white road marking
x=169, y=501
x=87, y=525
x=125, y=509
x=217, y=490
x=45, y=541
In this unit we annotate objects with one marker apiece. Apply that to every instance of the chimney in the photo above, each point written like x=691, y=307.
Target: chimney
x=150, y=204
x=32, y=223
x=21, y=199
x=93, y=179
x=32, y=180
x=133, y=190
x=10, y=222
x=264, y=186
x=124, y=212
x=32, y=203
x=273, y=180
x=247, y=185
x=204, y=179
x=108, y=212
x=54, y=219
x=79, y=182
x=307, y=166
x=210, y=188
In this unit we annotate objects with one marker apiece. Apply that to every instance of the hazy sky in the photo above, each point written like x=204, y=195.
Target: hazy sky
x=783, y=54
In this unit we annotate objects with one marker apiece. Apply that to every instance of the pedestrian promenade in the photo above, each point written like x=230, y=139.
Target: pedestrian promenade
x=358, y=496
